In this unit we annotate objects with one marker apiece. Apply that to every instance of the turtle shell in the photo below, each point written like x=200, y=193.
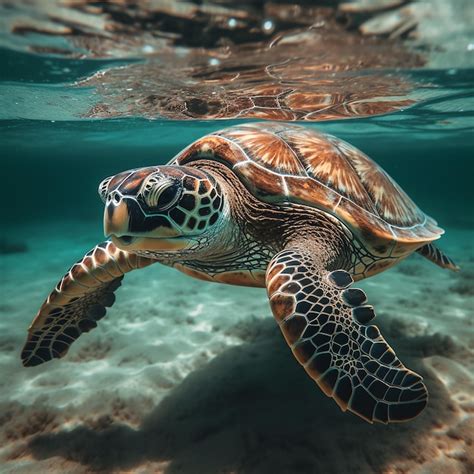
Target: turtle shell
x=281, y=163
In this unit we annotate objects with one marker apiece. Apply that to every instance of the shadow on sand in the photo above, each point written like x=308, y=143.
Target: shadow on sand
x=252, y=409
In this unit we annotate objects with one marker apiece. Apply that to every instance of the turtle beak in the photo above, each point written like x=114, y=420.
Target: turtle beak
x=116, y=217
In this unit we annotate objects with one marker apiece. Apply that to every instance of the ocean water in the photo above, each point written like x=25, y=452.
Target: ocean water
x=185, y=376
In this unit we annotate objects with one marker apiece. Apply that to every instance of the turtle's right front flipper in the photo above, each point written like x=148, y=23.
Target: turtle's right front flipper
x=78, y=301
x=324, y=323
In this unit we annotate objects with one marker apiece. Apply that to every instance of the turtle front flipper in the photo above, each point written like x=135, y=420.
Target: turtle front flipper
x=78, y=302
x=324, y=323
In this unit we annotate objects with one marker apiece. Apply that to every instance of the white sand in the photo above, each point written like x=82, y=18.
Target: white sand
x=187, y=376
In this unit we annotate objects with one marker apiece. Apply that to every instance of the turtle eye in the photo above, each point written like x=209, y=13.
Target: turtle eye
x=103, y=188
x=161, y=194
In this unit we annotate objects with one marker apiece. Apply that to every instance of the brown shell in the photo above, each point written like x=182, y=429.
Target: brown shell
x=287, y=163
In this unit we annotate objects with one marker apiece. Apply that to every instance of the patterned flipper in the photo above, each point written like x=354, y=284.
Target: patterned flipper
x=324, y=323
x=78, y=302
x=434, y=254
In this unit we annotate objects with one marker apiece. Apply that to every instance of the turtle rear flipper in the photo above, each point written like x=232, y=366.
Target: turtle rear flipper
x=434, y=254
x=78, y=302
x=324, y=323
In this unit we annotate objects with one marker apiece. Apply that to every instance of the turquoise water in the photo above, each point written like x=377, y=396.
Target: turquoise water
x=186, y=376
x=427, y=148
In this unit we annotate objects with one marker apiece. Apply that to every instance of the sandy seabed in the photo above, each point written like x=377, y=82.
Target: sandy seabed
x=184, y=376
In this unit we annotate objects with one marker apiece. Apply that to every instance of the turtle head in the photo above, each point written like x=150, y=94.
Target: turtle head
x=166, y=208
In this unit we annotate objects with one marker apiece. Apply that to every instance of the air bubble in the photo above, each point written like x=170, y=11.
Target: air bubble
x=268, y=26
x=148, y=49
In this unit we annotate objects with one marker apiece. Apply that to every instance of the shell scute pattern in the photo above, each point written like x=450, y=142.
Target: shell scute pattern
x=266, y=149
x=324, y=162
x=401, y=211
x=288, y=163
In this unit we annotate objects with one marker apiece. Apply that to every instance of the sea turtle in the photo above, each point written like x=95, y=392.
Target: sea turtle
x=271, y=205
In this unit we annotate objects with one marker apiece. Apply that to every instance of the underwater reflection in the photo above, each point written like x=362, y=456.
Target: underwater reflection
x=261, y=60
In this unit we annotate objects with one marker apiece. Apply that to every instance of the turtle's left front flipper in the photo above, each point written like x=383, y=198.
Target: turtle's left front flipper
x=78, y=302
x=324, y=323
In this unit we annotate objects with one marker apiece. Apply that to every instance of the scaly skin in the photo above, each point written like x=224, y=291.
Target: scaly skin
x=254, y=231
